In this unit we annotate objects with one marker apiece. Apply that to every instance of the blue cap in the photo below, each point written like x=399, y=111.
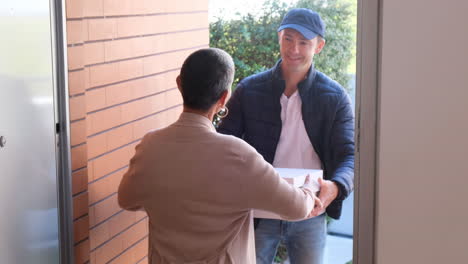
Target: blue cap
x=305, y=21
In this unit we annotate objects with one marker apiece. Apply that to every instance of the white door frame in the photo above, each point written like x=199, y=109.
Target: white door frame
x=367, y=114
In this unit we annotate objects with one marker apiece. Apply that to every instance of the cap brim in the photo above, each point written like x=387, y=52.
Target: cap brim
x=308, y=34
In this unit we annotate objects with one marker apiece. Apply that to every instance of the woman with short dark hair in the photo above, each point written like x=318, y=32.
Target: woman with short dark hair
x=199, y=187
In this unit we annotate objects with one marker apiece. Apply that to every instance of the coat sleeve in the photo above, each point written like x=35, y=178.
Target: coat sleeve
x=262, y=188
x=342, y=144
x=131, y=192
x=233, y=123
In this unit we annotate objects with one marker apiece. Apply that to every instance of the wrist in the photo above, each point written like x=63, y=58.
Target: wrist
x=339, y=190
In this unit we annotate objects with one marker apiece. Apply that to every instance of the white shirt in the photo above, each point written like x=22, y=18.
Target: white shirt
x=294, y=148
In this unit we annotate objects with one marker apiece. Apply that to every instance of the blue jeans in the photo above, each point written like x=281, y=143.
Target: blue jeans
x=304, y=240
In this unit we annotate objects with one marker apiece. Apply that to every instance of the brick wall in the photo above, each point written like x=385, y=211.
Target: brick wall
x=123, y=58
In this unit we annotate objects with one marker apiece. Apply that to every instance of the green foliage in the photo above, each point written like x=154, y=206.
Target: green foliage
x=281, y=253
x=252, y=40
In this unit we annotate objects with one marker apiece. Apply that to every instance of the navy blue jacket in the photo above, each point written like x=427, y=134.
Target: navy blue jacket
x=255, y=116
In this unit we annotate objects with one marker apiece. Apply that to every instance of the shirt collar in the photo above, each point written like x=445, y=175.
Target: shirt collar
x=303, y=85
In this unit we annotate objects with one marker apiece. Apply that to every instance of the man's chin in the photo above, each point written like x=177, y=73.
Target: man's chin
x=295, y=67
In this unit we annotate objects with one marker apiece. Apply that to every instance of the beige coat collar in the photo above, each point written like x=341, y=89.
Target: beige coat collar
x=195, y=120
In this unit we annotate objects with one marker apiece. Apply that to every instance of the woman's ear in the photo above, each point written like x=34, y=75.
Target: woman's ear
x=224, y=97
x=179, y=83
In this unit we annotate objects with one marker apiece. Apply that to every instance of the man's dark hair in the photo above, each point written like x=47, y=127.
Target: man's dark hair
x=204, y=76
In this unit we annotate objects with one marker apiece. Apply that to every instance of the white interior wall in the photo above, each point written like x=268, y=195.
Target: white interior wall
x=422, y=184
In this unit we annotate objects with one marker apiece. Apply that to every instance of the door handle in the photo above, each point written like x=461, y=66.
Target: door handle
x=2, y=141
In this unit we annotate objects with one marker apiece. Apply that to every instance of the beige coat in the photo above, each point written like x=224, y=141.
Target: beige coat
x=198, y=188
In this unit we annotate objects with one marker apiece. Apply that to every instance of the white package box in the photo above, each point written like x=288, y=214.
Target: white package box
x=295, y=177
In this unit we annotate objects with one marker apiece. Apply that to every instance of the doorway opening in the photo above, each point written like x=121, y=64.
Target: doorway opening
x=247, y=30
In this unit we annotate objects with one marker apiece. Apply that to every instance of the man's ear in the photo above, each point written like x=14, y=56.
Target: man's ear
x=320, y=45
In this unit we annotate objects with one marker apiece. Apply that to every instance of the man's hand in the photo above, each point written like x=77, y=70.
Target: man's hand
x=317, y=202
x=328, y=193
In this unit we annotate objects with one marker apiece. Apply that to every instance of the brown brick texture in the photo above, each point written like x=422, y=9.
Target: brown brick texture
x=123, y=58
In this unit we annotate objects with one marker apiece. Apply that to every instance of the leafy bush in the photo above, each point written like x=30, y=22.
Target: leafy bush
x=252, y=40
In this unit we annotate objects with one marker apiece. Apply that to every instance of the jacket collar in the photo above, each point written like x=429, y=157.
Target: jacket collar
x=195, y=120
x=303, y=86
